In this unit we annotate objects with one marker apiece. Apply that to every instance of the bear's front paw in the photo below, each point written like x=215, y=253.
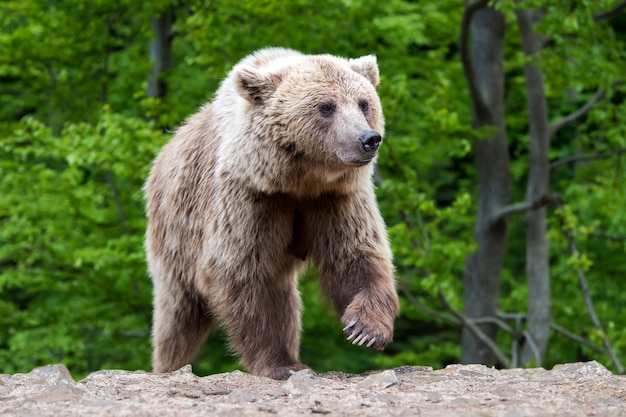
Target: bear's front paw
x=370, y=323
x=361, y=334
x=376, y=336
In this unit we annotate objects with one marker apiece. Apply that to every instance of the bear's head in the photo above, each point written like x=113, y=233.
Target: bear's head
x=318, y=109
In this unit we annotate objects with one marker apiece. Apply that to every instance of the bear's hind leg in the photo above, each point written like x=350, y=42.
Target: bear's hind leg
x=263, y=325
x=181, y=323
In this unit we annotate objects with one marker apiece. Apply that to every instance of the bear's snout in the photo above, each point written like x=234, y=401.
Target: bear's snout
x=370, y=141
x=358, y=149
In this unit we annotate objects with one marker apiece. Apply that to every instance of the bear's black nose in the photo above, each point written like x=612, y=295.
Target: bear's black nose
x=370, y=141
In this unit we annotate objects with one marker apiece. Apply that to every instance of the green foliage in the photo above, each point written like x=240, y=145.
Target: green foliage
x=77, y=134
x=73, y=278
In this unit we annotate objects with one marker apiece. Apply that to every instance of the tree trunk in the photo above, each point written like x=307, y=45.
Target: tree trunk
x=537, y=249
x=484, y=71
x=160, y=54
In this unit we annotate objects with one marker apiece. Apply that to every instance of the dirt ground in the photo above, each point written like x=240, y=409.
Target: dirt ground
x=578, y=389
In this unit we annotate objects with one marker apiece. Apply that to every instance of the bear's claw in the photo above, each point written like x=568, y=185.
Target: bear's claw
x=362, y=335
x=351, y=324
x=362, y=339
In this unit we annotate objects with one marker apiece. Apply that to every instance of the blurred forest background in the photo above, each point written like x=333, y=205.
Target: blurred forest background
x=501, y=177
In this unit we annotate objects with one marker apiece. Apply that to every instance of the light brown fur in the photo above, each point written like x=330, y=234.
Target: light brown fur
x=258, y=181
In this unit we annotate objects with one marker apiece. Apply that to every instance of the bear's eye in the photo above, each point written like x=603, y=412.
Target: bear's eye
x=364, y=106
x=326, y=109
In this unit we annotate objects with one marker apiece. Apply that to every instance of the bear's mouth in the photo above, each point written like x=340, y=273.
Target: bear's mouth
x=360, y=162
x=355, y=159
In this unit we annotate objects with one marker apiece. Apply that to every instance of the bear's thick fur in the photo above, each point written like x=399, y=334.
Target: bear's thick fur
x=274, y=172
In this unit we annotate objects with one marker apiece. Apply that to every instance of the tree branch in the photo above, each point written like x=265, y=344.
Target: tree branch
x=614, y=238
x=160, y=54
x=572, y=117
x=521, y=207
x=480, y=104
x=575, y=337
x=584, y=287
x=497, y=321
x=480, y=335
x=609, y=14
x=416, y=303
x=533, y=347
x=583, y=158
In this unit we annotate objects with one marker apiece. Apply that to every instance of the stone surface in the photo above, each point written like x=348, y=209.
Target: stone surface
x=579, y=389
x=380, y=380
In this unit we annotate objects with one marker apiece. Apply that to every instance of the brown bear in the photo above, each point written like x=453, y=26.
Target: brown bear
x=276, y=171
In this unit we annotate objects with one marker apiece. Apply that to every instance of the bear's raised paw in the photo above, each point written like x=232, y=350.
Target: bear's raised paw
x=361, y=335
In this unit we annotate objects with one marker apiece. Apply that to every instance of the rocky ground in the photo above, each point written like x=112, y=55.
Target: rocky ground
x=580, y=389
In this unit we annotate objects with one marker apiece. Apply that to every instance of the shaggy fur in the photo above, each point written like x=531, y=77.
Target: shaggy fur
x=267, y=176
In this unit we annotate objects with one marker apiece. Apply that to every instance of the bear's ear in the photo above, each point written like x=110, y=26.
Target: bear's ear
x=254, y=85
x=367, y=67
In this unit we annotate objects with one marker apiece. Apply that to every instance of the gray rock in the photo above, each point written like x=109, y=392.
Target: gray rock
x=54, y=396
x=292, y=388
x=386, y=398
x=380, y=380
x=241, y=396
x=470, y=370
x=582, y=369
x=53, y=373
x=301, y=381
x=459, y=390
x=407, y=369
